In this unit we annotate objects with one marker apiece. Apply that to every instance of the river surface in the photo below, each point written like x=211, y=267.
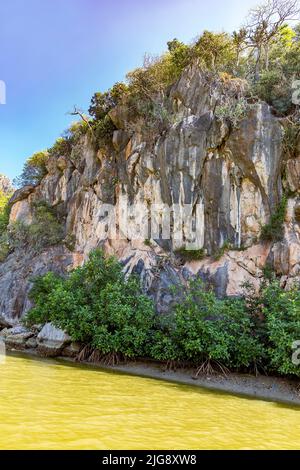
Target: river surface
x=46, y=404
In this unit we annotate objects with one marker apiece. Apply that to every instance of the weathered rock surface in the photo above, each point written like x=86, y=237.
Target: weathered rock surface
x=72, y=350
x=51, y=341
x=16, y=276
x=231, y=180
x=16, y=337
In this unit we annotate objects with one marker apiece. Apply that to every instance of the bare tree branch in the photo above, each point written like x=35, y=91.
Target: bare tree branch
x=264, y=23
x=78, y=112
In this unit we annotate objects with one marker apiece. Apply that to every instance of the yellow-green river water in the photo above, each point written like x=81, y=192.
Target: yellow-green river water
x=53, y=405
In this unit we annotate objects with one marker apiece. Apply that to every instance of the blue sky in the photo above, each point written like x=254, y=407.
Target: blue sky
x=57, y=53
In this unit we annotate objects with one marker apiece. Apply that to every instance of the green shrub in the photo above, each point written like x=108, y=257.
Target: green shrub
x=102, y=103
x=233, y=111
x=44, y=230
x=113, y=319
x=4, y=212
x=97, y=306
x=210, y=330
x=274, y=230
x=274, y=87
x=61, y=147
x=103, y=130
x=4, y=247
x=4, y=221
x=216, y=51
x=291, y=140
x=164, y=345
x=222, y=250
x=282, y=313
x=180, y=56
x=190, y=255
x=76, y=130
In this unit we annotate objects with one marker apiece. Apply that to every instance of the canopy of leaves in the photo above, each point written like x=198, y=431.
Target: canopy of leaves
x=34, y=170
x=97, y=306
x=109, y=314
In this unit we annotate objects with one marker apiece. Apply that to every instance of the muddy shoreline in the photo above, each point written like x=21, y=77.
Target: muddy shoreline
x=274, y=389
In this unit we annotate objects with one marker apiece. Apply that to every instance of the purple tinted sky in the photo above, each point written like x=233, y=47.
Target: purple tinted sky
x=57, y=53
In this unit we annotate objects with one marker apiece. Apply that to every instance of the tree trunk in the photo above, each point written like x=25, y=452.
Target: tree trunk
x=257, y=65
x=267, y=53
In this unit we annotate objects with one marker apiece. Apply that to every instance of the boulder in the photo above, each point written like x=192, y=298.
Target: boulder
x=72, y=350
x=31, y=343
x=22, y=193
x=16, y=337
x=51, y=340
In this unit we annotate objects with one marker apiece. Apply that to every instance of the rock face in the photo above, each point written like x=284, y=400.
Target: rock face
x=226, y=182
x=16, y=338
x=16, y=275
x=51, y=341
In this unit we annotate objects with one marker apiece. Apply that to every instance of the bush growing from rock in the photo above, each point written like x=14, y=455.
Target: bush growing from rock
x=274, y=230
x=44, y=230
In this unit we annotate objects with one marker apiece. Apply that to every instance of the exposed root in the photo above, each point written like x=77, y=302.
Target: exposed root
x=211, y=368
x=95, y=356
x=259, y=370
x=85, y=353
x=171, y=366
x=111, y=359
x=90, y=354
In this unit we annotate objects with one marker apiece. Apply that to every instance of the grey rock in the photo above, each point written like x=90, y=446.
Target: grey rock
x=31, y=343
x=51, y=340
x=120, y=140
x=21, y=194
x=17, y=337
x=72, y=350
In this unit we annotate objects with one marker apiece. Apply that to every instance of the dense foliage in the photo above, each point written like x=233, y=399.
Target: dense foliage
x=274, y=230
x=4, y=220
x=4, y=211
x=281, y=311
x=113, y=319
x=97, y=307
x=34, y=170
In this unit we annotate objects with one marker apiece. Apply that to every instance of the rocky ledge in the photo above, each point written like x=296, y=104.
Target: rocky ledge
x=47, y=340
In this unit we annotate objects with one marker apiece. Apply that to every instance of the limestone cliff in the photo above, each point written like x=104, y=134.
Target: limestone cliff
x=230, y=178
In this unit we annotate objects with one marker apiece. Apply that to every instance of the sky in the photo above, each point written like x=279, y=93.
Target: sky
x=55, y=54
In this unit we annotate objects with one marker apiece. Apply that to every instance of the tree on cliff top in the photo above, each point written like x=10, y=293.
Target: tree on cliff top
x=34, y=170
x=263, y=25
